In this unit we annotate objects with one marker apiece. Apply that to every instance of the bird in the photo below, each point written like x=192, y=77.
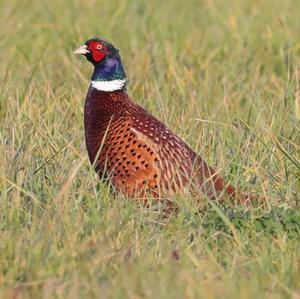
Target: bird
x=134, y=150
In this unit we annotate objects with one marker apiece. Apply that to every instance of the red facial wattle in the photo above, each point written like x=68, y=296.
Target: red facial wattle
x=97, y=55
x=97, y=50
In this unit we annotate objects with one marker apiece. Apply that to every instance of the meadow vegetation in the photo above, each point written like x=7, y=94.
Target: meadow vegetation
x=225, y=76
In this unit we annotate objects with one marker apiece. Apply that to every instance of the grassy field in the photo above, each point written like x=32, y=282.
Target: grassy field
x=224, y=76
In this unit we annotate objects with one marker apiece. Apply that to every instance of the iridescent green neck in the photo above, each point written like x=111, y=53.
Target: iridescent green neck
x=109, y=69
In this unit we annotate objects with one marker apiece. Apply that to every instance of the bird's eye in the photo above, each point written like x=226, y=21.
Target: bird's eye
x=99, y=47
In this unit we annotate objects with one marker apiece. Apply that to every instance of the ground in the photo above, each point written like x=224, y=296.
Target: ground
x=224, y=76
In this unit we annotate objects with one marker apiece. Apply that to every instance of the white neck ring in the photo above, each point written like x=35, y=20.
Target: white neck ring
x=112, y=85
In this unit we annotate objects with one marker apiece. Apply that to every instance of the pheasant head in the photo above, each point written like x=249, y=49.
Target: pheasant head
x=109, y=74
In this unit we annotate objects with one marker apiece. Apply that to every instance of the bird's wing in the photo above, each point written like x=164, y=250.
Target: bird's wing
x=178, y=166
x=173, y=157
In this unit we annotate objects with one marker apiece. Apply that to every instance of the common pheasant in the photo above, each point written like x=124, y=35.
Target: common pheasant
x=131, y=147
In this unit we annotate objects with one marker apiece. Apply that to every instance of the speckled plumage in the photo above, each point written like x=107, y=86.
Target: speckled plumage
x=139, y=153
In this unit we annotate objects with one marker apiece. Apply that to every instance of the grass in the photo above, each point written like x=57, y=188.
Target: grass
x=224, y=76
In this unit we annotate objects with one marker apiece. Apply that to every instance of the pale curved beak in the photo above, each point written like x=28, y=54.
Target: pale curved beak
x=82, y=50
